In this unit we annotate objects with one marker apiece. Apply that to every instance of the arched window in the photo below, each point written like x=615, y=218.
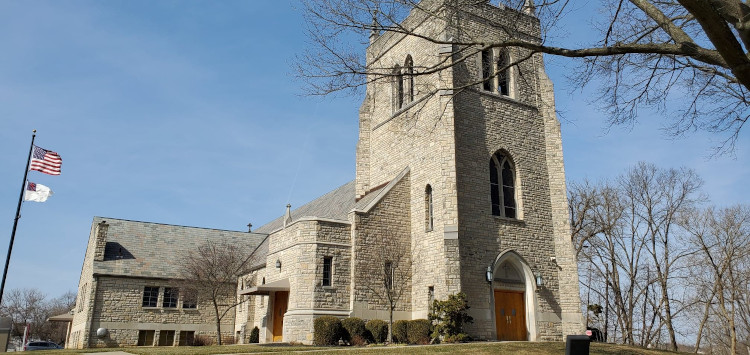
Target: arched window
x=487, y=69
x=496, y=71
x=408, y=77
x=503, y=74
x=398, y=89
x=428, y=212
x=503, y=186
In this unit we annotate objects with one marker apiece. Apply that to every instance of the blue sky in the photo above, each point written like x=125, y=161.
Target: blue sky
x=188, y=113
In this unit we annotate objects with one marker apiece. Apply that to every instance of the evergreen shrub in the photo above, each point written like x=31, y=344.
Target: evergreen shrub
x=255, y=335
x=449, y=317
x=378, y=330
x=328, y=330
x=354, y=331
x=418, y=331
x=399, y=331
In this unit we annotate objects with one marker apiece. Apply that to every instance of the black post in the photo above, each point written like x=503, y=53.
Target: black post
x=18, y=215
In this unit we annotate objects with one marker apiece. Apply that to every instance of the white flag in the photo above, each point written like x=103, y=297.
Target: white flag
x=36, y=192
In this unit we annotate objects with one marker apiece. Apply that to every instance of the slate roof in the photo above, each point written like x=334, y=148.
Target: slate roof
x=145, y=249
x=333, y=205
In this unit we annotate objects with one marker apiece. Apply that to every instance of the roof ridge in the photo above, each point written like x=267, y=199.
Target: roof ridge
x=173, y=225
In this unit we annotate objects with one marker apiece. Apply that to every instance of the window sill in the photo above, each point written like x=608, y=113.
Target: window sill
x=404, y=108
x=509, y=220
x=328, y=288
x=506, y=98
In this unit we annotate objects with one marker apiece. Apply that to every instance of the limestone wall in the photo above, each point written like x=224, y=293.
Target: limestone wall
x=86, y=286
x=300, y=248
x=118, y=307
x=383, y=234
x=420, y=136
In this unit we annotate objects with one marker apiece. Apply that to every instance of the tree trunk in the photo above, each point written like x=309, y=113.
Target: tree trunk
x=390, y=323
x=702, y=324
x=218, y=323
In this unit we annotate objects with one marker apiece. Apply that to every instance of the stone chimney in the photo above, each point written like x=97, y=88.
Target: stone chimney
x=101, y=240
x=288, y=215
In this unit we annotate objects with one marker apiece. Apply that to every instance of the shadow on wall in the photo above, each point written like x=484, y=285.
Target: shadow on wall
x=115, y=251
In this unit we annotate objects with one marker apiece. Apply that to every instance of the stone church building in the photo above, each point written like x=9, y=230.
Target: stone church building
x=459, y=187
x=128, y=293
x=464, y=188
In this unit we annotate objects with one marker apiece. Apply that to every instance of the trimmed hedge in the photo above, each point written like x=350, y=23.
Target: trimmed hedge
x=418, y=331
x=354, y=331
x=378, y=330
x=254, y=335
x=399, y=331
x=458, y=338
x=328, y=330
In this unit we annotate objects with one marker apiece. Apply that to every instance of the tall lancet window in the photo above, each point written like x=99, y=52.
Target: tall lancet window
x=503, y=74
x=398, y=88
x=408, y=78
x=503, y=186
x=487, y=69
x=428, y=211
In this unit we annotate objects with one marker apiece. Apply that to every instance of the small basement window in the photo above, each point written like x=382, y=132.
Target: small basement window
x=146, y=337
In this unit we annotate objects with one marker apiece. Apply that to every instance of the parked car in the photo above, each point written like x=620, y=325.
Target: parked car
x=41, y=345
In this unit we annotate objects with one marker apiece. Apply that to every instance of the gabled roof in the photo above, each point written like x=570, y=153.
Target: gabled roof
x=336, y=204
x=154, y=250
x=333, y=205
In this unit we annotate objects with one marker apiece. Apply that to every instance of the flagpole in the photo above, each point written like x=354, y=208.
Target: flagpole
x=18, y=215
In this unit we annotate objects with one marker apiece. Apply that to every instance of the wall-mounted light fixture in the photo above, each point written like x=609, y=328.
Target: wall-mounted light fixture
x=488, y=275
x=278, y=264
x=539, y=280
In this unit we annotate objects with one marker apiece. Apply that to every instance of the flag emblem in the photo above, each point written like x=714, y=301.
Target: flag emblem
x=45, y=161
x=36, y=192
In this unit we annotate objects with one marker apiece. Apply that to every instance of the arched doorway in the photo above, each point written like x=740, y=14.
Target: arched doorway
x=514, y=299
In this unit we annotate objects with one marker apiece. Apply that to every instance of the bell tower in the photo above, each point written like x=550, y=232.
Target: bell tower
x=482, y=145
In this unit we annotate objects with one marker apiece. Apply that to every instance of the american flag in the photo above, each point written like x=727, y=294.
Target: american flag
x=45, y=161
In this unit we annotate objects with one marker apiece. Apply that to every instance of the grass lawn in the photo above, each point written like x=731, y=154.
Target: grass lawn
x=520, y=348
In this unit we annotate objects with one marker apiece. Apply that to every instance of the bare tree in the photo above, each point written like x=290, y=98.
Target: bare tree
x=647, y=51
x=210, y=273
x=30, y=306
x=723, y=238
x=25, y=306
x=390, y=273
x=637, y=253
x=657, y=197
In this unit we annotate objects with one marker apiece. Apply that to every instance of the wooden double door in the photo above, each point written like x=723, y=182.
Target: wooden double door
x=510, y=315
x=280, y=302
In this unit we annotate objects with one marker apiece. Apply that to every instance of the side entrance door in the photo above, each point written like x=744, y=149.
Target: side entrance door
x=280, y=303
x=510, y=315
